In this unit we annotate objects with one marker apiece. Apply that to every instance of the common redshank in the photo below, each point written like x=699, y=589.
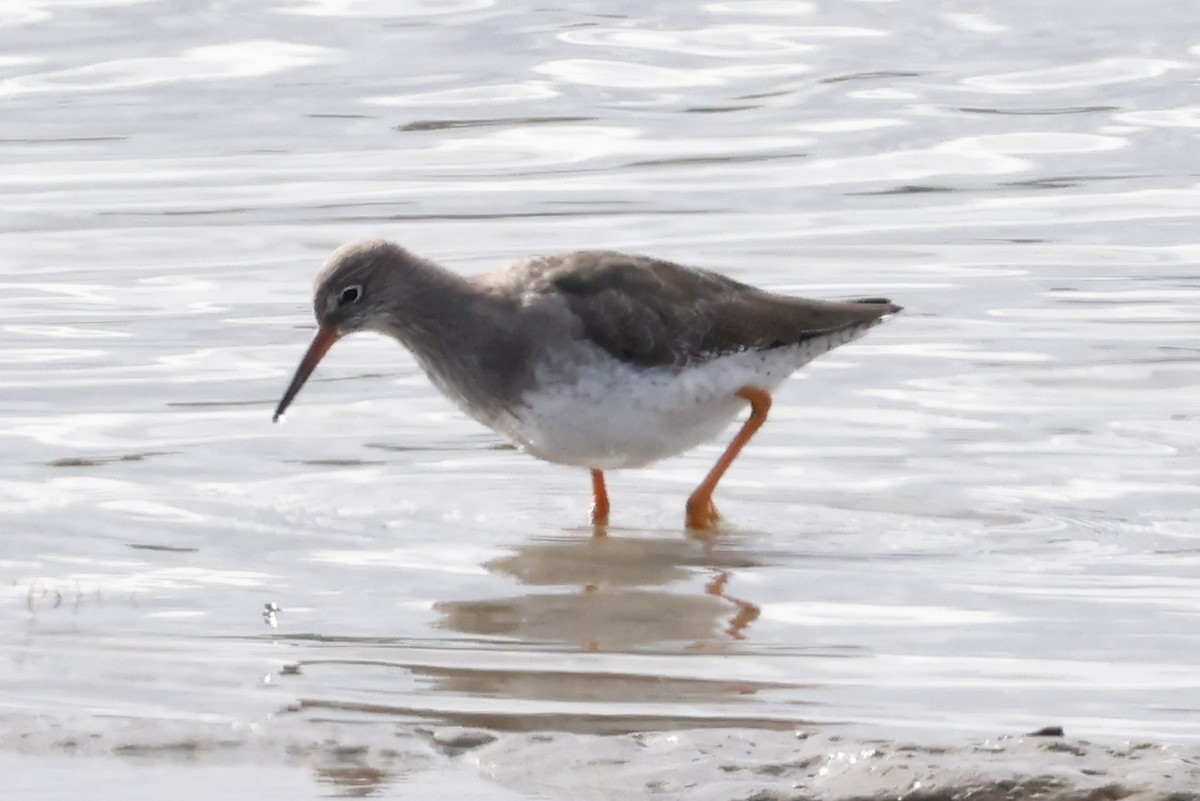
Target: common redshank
x=594, y=359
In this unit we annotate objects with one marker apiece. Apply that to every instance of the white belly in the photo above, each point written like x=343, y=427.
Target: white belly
x=593, y=411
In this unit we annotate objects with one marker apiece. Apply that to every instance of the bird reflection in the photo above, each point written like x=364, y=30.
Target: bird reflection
x=609, y=635
x=747, y=612
x=610, y=594
x=354, y=780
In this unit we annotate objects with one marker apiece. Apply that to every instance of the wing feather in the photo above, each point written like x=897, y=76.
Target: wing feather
x=653, y=313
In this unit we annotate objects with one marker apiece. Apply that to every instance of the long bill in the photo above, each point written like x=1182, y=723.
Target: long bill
x=322, y=342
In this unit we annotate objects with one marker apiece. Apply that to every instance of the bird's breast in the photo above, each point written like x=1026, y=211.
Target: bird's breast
x=596, y=411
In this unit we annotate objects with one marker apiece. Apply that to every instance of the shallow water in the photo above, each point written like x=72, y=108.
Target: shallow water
x=979, y=519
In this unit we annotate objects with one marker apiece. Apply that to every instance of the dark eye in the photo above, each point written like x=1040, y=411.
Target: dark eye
x=350, y=294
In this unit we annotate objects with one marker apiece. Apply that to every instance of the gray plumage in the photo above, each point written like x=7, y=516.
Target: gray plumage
x=644, y=311
x=595, y=359
x=653, y=313
x=486, y=341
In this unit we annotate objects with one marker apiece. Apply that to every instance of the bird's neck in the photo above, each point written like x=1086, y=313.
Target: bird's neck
x=464, y=339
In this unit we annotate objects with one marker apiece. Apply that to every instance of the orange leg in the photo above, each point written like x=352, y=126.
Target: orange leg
x=701, y=514
x=599, y=500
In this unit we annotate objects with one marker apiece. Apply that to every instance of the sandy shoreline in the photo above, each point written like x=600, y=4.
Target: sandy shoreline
x=688, y=765
x=707, y=765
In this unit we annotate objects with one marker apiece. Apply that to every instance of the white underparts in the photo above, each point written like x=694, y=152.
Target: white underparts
x=591, y=410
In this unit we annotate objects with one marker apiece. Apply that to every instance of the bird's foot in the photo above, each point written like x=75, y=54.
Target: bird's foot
x=599, y=522
x=599, y=505
x=701, y=517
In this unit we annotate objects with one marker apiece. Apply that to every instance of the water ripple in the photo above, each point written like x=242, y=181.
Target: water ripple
x=917, y=539
x=631, y=75
x=720, y=41
x=342, y=9
x=468, y=96
x=245, y=59
x=1180, y=117
x=1075, y=76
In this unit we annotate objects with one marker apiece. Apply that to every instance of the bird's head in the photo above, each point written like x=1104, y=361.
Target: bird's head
x=350, y=294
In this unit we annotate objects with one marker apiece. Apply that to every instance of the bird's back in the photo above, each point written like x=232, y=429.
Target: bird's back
x=653, y=313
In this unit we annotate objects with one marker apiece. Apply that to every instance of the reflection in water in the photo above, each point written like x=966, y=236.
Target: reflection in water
x=437, y=125
x=605, y=604
x=632, y=598
x=99, y=461
x=354, y=780
x=1017, y=458
x=747, y=612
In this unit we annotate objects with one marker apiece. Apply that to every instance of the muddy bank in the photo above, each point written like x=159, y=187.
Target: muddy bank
x=394, y=761
x=724, y=765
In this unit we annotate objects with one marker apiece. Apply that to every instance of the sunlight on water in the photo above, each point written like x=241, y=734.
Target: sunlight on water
x=1075, y=76
x=384, y=8
x=978, y=520
x=216, y=62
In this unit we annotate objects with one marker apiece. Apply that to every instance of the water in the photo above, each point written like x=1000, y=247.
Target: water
x=980, y=519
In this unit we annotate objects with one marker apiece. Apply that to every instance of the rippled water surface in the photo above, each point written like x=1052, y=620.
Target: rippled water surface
x=979, y=519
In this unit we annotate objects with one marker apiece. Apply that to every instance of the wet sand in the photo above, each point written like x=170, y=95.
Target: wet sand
x=270, y=761
x=707, y=765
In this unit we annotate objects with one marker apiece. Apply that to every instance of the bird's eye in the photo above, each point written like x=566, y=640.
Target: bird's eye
x=350, y=294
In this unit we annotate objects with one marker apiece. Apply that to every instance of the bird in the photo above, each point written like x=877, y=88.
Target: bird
x=592, y=358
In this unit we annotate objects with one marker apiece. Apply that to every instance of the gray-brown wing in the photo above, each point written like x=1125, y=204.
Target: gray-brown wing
x=654, y=313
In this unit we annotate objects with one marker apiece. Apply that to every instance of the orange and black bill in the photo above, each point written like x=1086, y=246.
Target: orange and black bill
x=322, y=342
